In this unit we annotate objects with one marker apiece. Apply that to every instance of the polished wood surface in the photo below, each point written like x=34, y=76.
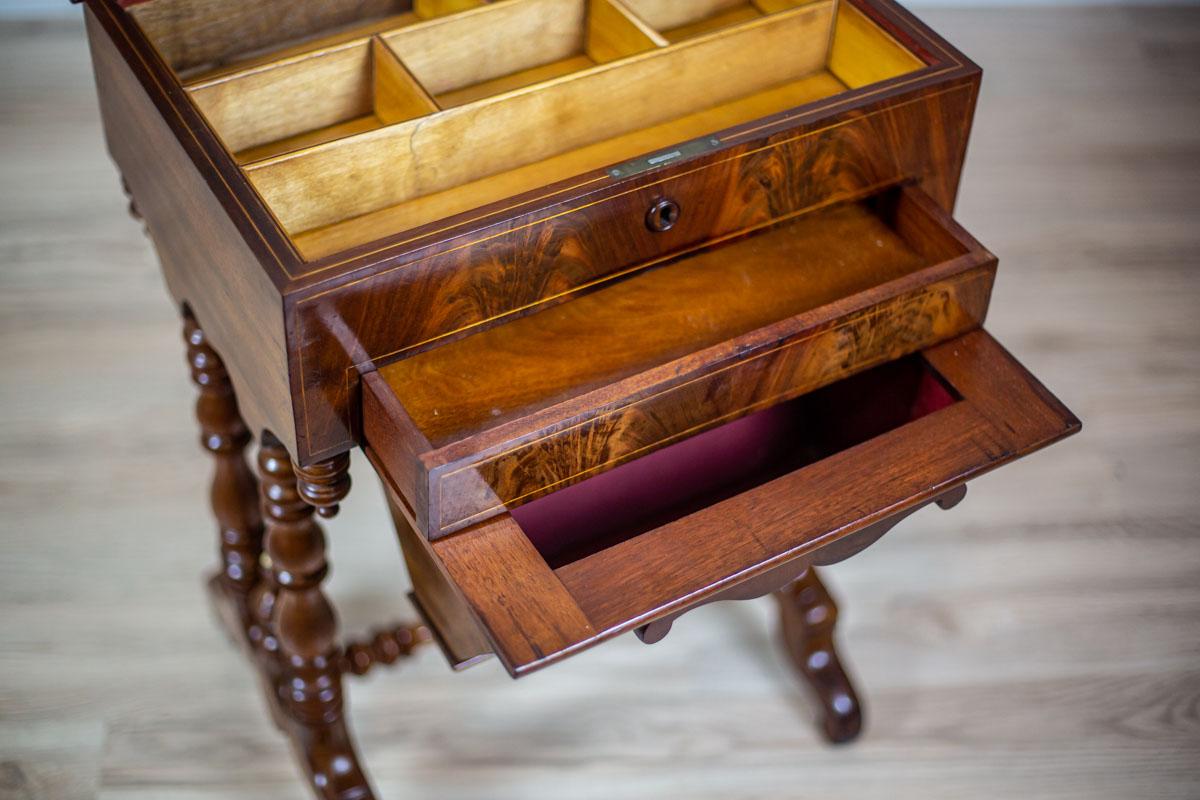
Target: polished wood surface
x=535, y=615
x=1066, y=674
x=496, y=420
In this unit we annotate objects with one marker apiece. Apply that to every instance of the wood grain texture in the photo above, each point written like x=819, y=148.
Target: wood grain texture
x=450, y=289
x=1040, y=641
x=328, y=240
x=663, y=571
x=514, y=412
x=264, y=104
x=862, y=54
x=527, y=615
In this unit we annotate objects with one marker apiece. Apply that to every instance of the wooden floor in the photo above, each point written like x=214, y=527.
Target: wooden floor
x=1040, y=641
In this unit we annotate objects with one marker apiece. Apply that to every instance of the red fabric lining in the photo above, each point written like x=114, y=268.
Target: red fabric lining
x=672, y=482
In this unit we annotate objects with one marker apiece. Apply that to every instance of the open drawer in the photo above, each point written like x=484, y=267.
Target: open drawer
x=748, y=504
x=475, y=428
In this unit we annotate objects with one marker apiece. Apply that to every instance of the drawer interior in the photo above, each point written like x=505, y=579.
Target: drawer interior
x=648, y=318
x=493, y=420
x=671, y=483
x=737, y=503
x=398, y=119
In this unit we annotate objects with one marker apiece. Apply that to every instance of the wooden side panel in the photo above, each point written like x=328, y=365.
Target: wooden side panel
x=863, y=54
x=528, y=615
x=552, y=251
x=205, y=259
x=194, y=33
x=443, y=606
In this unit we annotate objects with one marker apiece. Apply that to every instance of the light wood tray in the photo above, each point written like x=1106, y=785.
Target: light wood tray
x=397, y=120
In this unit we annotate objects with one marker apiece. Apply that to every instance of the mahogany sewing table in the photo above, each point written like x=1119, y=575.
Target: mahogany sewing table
x=634, y=305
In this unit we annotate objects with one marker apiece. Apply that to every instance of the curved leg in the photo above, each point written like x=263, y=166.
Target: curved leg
x=809, y=616
x=304, y=627
x=234, y=492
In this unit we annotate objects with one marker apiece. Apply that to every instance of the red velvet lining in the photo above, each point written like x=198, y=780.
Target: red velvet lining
x=684, y=477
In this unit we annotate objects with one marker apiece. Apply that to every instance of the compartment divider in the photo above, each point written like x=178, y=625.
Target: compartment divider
x=616, y=32
x=405, y=161
x=399, y=96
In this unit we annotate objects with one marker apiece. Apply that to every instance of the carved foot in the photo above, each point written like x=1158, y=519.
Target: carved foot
x=330, y=760
x=809, y=616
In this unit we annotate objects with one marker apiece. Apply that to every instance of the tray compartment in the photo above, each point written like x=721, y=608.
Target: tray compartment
x=573, y=523
x=497, y=419
x=456, y=159
x=311, y=98
x=499, y=98
x=738, y=504
x=468, y=57
x=199, y=37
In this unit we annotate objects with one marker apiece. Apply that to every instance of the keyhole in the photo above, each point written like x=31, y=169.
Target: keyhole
x=662, y=216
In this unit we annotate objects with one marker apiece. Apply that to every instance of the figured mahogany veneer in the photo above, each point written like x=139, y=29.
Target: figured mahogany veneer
x=854, y=456
x=480, y=426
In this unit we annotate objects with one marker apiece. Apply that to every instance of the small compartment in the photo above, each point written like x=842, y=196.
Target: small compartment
x=468, y=57
x=671, y=483
x=196, y=37
x=497, y=419
x=313, y=97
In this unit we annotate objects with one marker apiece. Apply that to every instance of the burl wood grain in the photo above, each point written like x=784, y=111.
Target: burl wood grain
x=1003, y=415
x=495, y=420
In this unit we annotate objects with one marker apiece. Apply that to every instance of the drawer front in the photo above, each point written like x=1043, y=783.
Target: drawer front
x=876, y=448
x=459, y=461
x=552, y=253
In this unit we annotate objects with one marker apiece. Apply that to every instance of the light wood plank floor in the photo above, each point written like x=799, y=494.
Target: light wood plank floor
x=1041, y=641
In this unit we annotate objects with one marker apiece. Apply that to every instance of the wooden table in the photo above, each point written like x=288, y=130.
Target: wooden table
x=825, y=404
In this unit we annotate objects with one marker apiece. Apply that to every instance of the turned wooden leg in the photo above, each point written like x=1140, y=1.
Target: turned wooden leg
x=809, y=617
x=303, y=624
x=234, y=488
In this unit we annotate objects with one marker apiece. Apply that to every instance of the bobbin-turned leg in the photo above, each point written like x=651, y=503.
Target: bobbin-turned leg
x=303, y=626
x=234, y=491
x=809, y=617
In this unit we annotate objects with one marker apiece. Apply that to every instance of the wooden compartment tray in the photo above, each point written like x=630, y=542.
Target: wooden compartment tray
x=477, y=427
x=415, y=117
x=736, y=511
